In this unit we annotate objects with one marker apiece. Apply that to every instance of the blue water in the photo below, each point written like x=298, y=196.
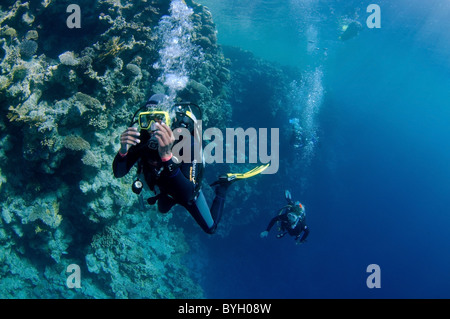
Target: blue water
x=376, y=190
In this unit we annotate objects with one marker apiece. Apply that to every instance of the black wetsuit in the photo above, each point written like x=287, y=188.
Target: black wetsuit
x=286, y=226
x=178, y=183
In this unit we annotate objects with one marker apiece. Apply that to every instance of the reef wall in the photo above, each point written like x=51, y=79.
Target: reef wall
x=65, y=97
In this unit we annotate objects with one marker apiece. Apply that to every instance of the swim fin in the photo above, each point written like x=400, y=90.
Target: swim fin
x=231, y=177
x=288, y=196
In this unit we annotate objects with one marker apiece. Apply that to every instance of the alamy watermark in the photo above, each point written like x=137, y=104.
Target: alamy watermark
x=74, y=279
x=74, y=19
x=374, y=279
x=214, y=150
x=230, y=147
x=374, y=20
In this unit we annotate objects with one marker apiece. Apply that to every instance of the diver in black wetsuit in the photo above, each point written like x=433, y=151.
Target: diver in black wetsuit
x=292, y=221
x=174, y=181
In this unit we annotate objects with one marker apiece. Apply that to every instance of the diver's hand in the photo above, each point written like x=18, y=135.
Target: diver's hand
x=129, y=138
x=264, y=234
x=165, y=138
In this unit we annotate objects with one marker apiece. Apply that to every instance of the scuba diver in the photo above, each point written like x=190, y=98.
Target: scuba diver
x=173, y=181
x=292, y=221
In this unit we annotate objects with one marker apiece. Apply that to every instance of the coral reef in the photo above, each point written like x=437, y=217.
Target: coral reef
x=27, y=49
x=160, y=276
x=65, y=96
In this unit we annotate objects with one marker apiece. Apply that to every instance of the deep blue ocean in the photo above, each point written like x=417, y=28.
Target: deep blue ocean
x=376, y=189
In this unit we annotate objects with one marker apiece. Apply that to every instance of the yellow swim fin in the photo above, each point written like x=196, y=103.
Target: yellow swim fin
x=230, y=177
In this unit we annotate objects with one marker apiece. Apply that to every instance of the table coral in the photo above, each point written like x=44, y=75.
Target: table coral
x=76, y=143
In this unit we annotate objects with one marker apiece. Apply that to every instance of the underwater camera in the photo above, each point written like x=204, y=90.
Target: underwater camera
x=137, y=186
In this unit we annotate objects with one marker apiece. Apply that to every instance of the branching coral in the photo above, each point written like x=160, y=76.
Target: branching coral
x=48, y=214
x=8, y=15
x=45, y=209
x=90, y=159
x=142, y=270
x=111, y=48
x=99, y=122
x=7, y=32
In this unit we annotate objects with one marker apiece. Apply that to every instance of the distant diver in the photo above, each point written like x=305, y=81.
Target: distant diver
x=350, y=30
x=173, y=181
x=292, y=221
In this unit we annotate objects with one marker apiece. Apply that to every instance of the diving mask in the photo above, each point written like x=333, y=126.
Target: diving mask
x=148, y=120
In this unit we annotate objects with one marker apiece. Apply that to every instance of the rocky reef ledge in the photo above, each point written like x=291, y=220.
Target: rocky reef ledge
x=65, y=96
